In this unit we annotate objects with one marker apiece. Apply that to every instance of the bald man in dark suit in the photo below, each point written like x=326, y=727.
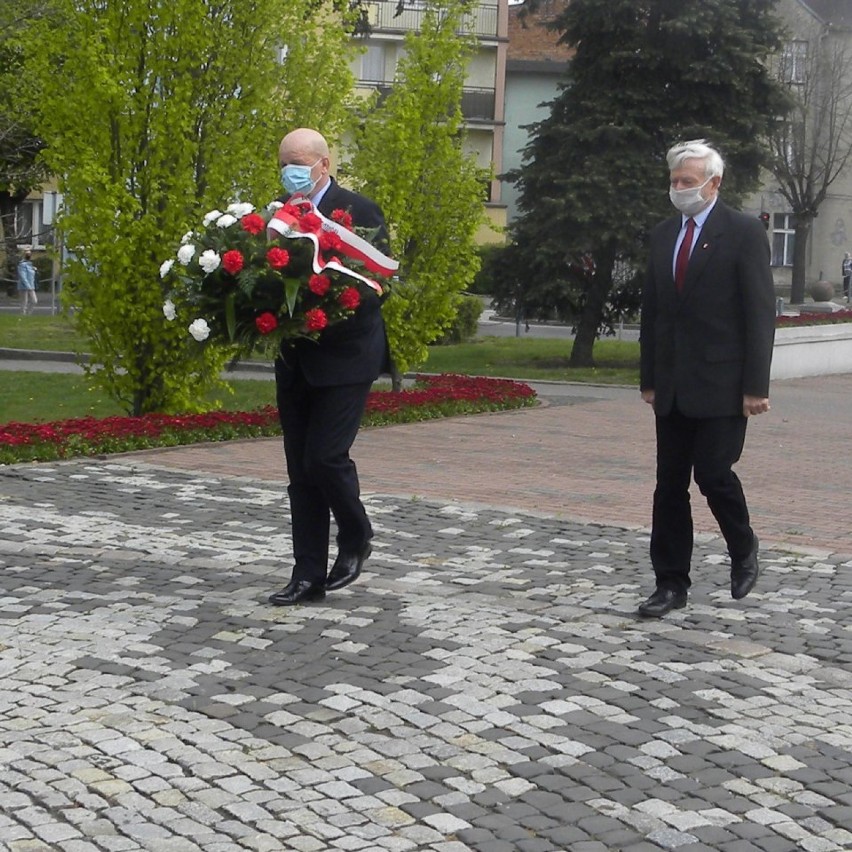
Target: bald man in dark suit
x=322, y=390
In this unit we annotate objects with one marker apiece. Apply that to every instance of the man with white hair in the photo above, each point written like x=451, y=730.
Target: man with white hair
x=707, y=330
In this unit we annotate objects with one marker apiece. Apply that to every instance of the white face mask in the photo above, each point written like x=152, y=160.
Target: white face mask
x=689, y=201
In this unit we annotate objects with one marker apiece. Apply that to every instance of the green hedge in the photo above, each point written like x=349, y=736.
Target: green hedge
x=465, y=325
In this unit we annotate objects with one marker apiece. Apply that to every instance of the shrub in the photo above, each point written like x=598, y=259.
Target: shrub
x=464, y=326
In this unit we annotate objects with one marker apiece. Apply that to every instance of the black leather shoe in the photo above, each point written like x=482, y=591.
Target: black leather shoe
x=347, y=568
x=661, y=602
x=744, y=573
x=298, y=591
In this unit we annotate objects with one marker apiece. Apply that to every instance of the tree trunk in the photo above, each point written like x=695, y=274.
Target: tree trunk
x=8, y=210
x=800, y=248
x=597, y=293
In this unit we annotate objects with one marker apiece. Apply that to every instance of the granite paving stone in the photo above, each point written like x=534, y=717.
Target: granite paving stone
x=484, y=686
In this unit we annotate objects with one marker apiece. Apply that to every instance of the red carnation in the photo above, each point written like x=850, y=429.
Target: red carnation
x=310, y=223
x=329, y=241
x=278, y=258
x=350, y=298
x=266, y=323
x=232, y=261
x=319, y=284
x=315, y=319
x=293, y=210
x=342, y=218
x=253, y=223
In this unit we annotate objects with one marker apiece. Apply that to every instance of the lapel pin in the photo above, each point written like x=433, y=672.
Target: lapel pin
x=706, y=246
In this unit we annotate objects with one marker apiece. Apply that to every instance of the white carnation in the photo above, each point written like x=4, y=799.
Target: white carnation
x=213, y=214
x=240, y=209
x=209, y=261
x=275, y=205
x=199, y=329
x=186, y=253
x=169, y=309
x=226, y=221
x=166, y=267
x=188, y=237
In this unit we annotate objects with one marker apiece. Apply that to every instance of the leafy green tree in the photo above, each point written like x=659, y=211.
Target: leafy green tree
x=20, y=168
x=410, y=159
x=646, y=73
x=154, y=112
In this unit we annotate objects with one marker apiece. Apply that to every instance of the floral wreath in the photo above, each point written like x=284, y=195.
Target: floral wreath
x=250, y=278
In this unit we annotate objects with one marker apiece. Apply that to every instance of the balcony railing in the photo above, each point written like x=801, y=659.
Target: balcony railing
x=481, y=22
x=476, y=104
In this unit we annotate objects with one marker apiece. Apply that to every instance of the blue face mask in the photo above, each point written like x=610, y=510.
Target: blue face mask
x=297, y=178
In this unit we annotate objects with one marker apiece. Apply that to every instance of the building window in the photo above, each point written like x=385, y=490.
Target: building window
x=29, y=230
x=373, y=64
x=793, y=59
x=783, y=239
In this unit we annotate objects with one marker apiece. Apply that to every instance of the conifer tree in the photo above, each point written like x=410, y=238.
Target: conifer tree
x=646, y=74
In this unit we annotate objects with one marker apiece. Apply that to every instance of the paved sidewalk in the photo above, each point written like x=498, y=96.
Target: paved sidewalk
x=485, y=686
x=588, y=455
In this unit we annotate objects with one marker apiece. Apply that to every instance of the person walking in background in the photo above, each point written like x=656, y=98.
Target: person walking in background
x=706, y=336
x=27, y=283
x=322, y=390
x=846, y=270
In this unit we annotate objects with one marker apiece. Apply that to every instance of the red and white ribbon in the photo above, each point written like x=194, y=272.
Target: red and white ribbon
x=286, y=224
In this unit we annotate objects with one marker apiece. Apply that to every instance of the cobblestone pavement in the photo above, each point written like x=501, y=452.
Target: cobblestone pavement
x=485, y=685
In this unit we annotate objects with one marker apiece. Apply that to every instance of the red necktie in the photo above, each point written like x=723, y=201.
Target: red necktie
x=683, y=254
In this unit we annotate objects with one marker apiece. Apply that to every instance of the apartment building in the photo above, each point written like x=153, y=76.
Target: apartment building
x=484, y=90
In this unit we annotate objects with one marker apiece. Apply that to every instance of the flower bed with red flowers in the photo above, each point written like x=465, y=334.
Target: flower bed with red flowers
x=430, y=397
x=814, y=319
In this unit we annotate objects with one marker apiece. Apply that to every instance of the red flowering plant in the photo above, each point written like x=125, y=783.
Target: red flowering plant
x=429, y=397
x=252, y=278
x=785, y=321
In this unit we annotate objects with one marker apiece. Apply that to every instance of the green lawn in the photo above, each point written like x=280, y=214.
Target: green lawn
x=38, y=397
x=38, y=331
x=512, y=357
x=524, y=358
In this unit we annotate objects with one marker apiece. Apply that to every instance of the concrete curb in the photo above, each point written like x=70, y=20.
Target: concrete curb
x=39, y=355
x=71, y=357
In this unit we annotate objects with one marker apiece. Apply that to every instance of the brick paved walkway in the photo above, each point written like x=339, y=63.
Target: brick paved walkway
x=485, y=687
x=589, y=455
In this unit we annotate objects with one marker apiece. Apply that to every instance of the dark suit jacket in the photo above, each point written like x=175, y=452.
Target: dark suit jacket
x=354, y=351
x=710, y=345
